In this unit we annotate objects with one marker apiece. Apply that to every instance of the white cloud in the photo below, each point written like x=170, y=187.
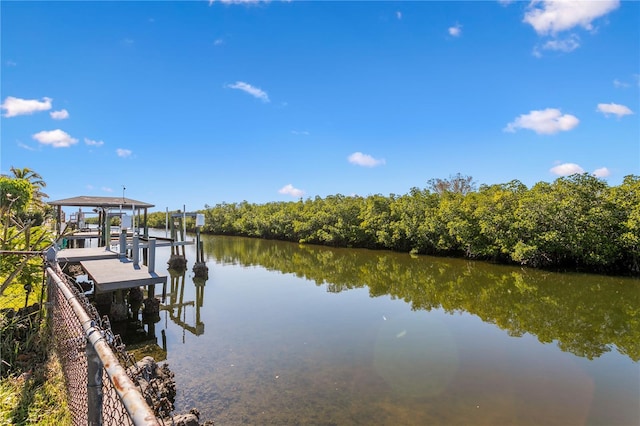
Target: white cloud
x=253, y=91
x=218, y=42
x=399, y=15
x=620, y=84
x=91, y=142
x=554, y=16
x=566, y=169
x=59, y=115
x=16, y=106
x=290, y=190
x=25, y=146
x=11, y=63
x=615, y=109
x=544, y=122
x=602, y=172
x=56, y=138
x=568, y=44
x=456, y=30
x=106, y=189
x=124, y=153
x=365, y=160
x=300, y=132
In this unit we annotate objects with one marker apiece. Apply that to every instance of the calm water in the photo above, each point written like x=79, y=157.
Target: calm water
x=287, y=334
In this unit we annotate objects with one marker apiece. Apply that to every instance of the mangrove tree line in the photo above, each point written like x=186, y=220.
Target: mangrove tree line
x=577, y=221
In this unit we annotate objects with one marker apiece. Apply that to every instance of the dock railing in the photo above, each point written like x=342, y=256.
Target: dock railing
x=100, y=390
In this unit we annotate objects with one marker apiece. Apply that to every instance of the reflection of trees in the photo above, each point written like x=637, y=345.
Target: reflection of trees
x=585, y=314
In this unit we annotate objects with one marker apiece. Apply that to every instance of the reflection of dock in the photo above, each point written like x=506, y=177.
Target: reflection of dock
x=176, y=305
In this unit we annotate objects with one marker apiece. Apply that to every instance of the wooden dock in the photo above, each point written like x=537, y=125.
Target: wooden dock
x=117, y=274
x=76, y=255
x=108, y=270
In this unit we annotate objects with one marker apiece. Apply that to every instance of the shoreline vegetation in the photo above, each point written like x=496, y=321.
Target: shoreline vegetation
x=577, y=222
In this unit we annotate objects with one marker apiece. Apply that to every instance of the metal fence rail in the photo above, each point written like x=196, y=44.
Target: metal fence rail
x=99, y=389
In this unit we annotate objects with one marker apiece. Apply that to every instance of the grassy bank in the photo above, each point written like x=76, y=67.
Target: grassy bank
x=34, y=392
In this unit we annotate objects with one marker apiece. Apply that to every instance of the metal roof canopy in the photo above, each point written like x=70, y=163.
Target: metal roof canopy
x=103, y=205
x=104, y=202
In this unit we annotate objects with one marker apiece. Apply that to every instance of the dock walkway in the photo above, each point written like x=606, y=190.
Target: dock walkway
x=109, y=271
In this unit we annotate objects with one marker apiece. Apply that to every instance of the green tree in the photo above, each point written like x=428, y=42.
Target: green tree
x=495, y=213
x=36, y=182
x=19, y=235
x=626, y=201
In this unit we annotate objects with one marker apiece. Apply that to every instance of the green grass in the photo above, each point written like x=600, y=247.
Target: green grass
x=14, y=295
x=34, y=390
x=35, y=398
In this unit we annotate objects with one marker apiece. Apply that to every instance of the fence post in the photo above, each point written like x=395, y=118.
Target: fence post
x=94, y=386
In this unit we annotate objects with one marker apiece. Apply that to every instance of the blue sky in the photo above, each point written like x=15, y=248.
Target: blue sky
x=194, y=103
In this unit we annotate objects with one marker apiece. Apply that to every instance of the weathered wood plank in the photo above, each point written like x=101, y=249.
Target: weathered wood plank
x=76, y=255
x=119, y=273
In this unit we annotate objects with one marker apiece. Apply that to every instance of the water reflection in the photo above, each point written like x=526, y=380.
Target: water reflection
x=175, y=305
x=586, y=315
x=386, y=338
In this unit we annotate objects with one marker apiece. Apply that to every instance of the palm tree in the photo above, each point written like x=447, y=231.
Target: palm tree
x=36, y=181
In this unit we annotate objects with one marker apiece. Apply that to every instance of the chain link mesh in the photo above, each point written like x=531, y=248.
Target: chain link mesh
x=70, y=343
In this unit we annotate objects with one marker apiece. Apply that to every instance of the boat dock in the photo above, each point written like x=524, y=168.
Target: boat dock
x=110, y=270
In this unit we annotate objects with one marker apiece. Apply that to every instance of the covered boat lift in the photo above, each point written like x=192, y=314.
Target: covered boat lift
x=106, y=208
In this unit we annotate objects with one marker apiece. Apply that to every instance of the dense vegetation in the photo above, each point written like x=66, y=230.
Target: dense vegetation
x=23, y=231
x=577, y=221
x=32, y=387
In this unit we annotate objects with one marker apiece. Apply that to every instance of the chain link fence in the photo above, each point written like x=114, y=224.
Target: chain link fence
x=85, y=344
x=104, y=383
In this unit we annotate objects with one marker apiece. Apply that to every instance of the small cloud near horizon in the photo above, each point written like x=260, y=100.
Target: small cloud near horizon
x=566, y=169
x=543, y=122
x=365, y=160
x=289, y=189
x=602, y=172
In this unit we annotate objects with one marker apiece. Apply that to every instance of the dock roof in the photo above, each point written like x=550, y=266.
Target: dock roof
x=104, y=202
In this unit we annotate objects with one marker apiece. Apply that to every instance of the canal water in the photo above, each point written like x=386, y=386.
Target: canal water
x=288, y=334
